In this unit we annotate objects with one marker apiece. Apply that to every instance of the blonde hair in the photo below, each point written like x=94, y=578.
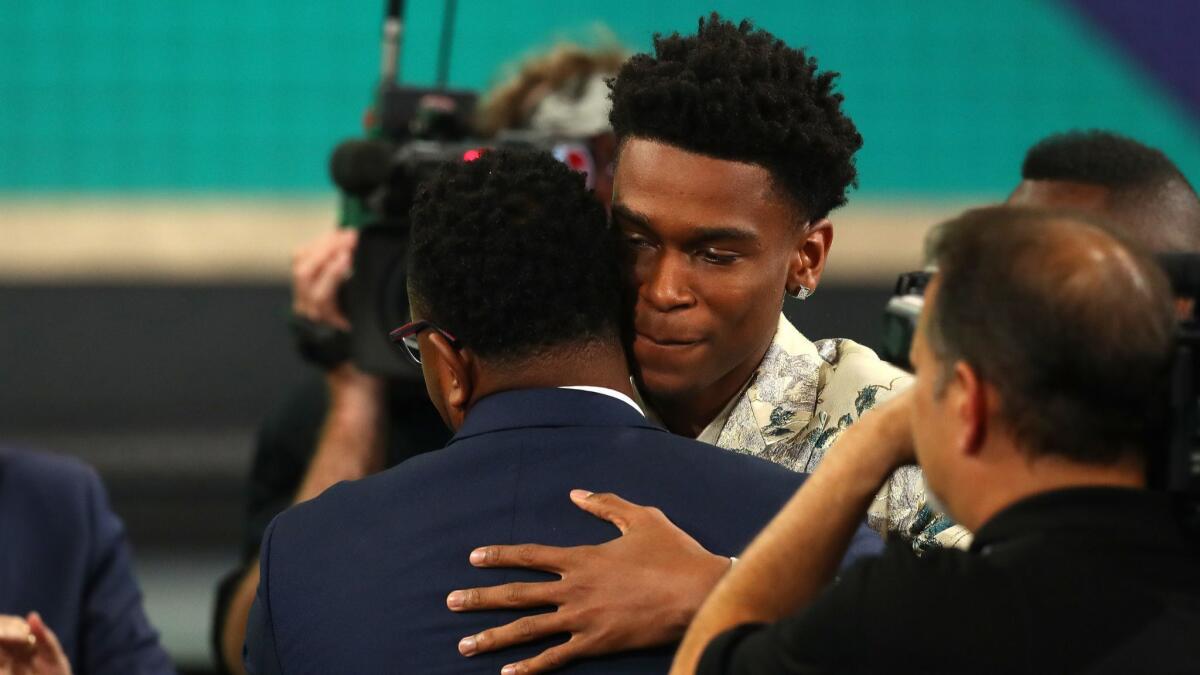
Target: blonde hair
x=569, y=66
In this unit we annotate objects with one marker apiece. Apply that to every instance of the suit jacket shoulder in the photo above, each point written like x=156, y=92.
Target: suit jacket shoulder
x=380, y=554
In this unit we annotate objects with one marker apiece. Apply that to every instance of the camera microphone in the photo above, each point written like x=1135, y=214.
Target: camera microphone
x=359, y=166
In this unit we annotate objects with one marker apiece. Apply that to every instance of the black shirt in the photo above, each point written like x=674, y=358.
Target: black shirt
x=1098, y=580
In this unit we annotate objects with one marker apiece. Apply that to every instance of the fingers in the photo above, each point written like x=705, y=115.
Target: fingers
x=46, y=656
x=318, y=269
x=530, y=556
x=15, y=634
x=323, y=292
x=551, y=659
x=309, y=259
x=610, y=507
x=47, y=641
x=525, y=629
x=508, y=596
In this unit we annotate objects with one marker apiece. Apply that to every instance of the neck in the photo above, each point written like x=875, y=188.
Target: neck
x=598, y=364
x=689, y=413
x=1036, y=475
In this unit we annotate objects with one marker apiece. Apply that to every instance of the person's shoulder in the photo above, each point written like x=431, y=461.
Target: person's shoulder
x=733, y=467
x=885, y=608
x=850, y=360
x=854, y=372
x=365, y=502
x=52, y=497
x=936, y=578
x=48, y=473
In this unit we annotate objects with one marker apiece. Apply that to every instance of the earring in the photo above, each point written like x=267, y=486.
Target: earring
x=801, y=293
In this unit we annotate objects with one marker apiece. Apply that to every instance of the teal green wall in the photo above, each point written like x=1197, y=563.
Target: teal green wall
x=218, y=95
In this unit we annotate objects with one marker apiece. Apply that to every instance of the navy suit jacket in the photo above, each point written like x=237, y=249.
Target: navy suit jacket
x=356, y=580
x=63, y=554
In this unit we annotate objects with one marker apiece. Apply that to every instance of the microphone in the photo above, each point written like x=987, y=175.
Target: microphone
x=393, y=30
x=358, y=166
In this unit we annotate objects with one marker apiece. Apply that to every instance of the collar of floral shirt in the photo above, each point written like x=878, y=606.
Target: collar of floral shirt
x=777, y=401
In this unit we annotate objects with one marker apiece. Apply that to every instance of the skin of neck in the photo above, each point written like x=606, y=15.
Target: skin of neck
x=1009, y=474
x=596, y=364
x=689, y=413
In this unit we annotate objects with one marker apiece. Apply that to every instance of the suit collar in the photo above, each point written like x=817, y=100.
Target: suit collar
x=525, y=408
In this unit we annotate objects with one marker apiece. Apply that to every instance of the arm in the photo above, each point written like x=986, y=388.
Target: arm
x=351, y=446
x=351, y=440
x=796, y=556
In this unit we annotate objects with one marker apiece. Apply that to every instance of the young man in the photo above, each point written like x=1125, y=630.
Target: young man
x=517, y=305
x=1042, y=360
x=733, y=152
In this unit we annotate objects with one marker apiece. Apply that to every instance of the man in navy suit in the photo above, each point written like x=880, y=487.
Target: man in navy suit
x=68, y=597
x=514, y=285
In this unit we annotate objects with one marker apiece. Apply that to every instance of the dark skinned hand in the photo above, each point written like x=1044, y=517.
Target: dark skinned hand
x=638, y=590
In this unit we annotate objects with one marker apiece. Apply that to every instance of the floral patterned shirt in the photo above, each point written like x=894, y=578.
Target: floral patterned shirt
x=797, y=404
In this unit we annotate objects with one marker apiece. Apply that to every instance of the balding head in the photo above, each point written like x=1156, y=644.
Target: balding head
x=1135, y=186
x=1071, y=326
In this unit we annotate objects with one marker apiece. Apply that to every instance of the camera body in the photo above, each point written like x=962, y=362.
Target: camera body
x=378, y=179
x=901, y=315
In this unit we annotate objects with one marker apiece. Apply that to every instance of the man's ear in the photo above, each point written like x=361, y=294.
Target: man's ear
x=971, y=406
x=456, y=376
x=808, y=260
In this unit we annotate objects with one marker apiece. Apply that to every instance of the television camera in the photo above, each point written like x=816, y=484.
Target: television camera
x=409, y=133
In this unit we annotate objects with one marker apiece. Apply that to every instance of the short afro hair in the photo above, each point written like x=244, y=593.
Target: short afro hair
x=511, y=254
x=737, y=93
x=1148, y=196
x=1098, y=157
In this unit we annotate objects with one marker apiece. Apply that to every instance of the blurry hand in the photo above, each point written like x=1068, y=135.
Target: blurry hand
x=638, y=590
x=318, y=269
x=29, y=647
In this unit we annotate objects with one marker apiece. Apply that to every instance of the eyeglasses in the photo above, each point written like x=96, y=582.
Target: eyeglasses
x=406, y=336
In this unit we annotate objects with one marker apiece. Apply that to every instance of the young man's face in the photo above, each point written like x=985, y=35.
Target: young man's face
x=710, y=245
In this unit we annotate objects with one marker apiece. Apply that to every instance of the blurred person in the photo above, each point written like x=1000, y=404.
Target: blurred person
x=1137, y=187
x=517, y=308
x=562, y=92
x=69, y=601
x=733, y=152
x=351, y=424
x=1042, y=361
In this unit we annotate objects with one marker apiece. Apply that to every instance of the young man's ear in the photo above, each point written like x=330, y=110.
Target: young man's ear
x=808, y=260
x=455, y=373
x=971, y=405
